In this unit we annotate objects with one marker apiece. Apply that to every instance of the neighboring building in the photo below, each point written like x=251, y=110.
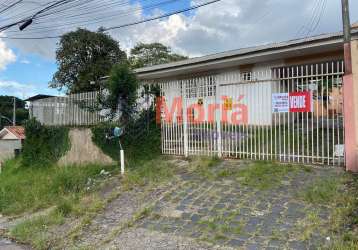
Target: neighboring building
x=11, y=139
x=30, y=101
x=70, y=110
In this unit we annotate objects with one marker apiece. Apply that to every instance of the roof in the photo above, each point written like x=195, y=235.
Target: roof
x=38, y=97
x=297, y=47
x=17, y=131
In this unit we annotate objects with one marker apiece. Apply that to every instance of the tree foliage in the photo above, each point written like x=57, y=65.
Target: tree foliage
x=84, y=57
x=122, y=87
x=143, y=55
x=6, y=110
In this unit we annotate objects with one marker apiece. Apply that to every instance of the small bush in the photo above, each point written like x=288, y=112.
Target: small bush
x=44, y=146
x=141, y=140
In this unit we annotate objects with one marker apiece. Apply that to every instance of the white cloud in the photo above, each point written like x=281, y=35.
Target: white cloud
x=7, y=56
x=13, y=88
x=24, y=61
x=229, y=24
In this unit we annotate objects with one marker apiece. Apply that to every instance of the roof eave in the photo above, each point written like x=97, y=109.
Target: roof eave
x=334, y=40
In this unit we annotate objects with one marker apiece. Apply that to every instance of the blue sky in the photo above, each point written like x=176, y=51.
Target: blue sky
x=30, y=70
x=34, y=71
x=230, y=24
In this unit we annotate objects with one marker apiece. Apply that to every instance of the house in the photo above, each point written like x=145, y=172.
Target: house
x=280, y=101
x=11, y=139
x=33, y=99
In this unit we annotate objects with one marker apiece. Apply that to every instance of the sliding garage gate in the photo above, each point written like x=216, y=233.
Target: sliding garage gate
x=288, y=114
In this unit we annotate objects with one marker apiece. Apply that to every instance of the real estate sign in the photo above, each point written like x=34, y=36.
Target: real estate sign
x=293, y=102
x=280, y=103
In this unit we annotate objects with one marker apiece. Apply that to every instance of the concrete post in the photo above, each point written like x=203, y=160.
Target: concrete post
x=351, y=111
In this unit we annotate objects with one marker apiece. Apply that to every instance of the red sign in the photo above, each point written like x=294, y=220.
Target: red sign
x=301, y=102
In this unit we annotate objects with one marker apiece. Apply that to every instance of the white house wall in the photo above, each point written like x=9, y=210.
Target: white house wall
x=257, y=94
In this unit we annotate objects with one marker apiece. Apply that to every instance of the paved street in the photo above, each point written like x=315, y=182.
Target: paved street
x=225, y=212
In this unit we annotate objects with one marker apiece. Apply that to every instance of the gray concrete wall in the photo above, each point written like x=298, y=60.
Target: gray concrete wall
x=83, y=151
x=7, y=148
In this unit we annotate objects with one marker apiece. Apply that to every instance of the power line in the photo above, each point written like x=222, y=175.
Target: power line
x=10, y=6
x=313, y=28
x=123, y=25
x=105, y=17
x=314, y=11
x=166, y=15
x=56, y=4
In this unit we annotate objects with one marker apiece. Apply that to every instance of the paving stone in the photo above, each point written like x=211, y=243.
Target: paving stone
x=276, y=243
x=253, y=246
x=219, y=206
x=236, y=243
x=267, y=218
x=298, y=245
x=186, y=216
x=195, y=218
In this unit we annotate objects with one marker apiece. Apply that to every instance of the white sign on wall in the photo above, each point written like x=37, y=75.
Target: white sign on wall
x=280, y=103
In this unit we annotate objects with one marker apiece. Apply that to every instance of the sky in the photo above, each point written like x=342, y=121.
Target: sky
x=27, y=66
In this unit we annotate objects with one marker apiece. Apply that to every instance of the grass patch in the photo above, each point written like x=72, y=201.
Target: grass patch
x=151, y=172
x=322, y=191
x=344, y=245
x=309, y=225
x=36, y=230
x=41, y=231
x=221, y=225
x=344, y=219
x=29, y=189
x=264, y=175
x=203, y=166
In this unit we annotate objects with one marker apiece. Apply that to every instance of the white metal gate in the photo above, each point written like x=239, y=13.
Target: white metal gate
x=232, y=115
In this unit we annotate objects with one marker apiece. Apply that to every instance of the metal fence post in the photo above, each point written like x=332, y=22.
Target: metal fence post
x=218, y=116
x=185, y=118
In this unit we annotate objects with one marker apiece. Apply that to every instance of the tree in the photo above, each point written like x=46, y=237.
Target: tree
x=83, y=57
x=122, y=88
x=6, y=110
x=143, y=55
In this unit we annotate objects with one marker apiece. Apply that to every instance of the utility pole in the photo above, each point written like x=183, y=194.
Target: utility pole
x=349, y=97
x=347, y=37
x=14, y=113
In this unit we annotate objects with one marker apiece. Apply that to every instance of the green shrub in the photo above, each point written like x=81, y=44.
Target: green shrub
x=44, y=145
x=141, y=140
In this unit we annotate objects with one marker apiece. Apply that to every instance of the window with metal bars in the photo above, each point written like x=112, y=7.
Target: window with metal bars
x=200, y=87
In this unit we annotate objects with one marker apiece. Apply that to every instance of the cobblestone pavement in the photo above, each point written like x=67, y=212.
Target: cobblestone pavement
x=197, y=212
x=9, y=245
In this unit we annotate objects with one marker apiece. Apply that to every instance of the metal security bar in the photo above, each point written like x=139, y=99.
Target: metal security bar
x=247, y=125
